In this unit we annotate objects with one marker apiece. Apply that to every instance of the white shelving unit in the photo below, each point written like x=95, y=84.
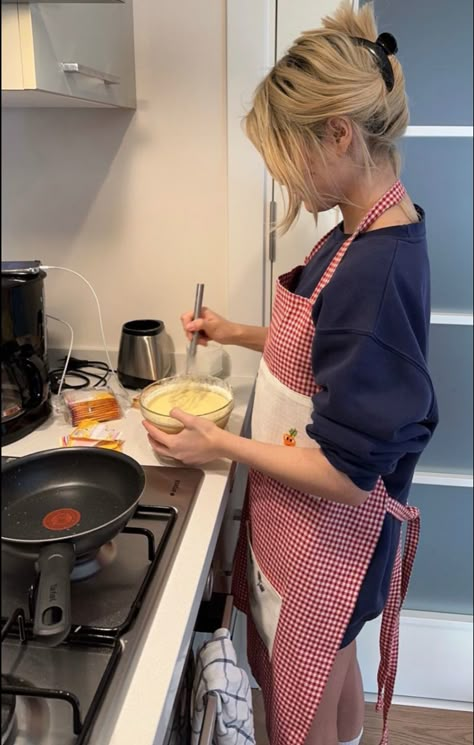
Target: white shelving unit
x=444, y=318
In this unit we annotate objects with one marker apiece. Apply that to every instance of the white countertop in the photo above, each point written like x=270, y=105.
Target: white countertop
x=149, y=699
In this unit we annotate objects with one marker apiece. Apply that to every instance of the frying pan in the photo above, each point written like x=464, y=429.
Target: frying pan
x=60, y=505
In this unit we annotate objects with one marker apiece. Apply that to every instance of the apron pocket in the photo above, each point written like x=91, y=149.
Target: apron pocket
x=265, y=602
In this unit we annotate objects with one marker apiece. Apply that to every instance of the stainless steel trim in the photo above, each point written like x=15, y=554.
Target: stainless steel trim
x=89, y=72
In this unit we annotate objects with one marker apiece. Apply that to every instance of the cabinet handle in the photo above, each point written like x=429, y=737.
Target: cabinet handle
x=272, y=232
x=89, y=72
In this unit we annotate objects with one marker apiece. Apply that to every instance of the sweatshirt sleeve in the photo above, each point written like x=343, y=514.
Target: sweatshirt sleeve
x=374, y=406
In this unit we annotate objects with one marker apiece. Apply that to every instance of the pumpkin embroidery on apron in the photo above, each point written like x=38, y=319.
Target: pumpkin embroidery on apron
x=289, y=438
x=301, y=560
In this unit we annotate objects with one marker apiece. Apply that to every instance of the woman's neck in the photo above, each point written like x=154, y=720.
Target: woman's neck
x=362, y=195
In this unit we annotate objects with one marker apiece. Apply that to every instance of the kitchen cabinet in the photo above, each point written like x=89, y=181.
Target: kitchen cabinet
x=90, y=2
x=66, y=54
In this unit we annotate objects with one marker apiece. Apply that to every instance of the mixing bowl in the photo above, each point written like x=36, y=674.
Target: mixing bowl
x=205, y=396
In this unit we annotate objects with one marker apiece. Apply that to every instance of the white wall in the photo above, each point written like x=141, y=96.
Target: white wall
x=135, y=201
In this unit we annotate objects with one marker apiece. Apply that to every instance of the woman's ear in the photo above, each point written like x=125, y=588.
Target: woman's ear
x=339, y=132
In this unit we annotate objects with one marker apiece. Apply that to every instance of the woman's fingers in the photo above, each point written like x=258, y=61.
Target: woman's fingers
x=191, y=325
x=156, y=435
x=186, y=319
x=187, y=419
x=160, y=449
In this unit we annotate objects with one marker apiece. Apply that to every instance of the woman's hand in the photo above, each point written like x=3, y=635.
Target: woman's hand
x=196, y=444
x=211, y=327
x=216, y=328
x=305, y=469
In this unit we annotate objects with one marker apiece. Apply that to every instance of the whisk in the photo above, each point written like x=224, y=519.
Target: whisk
x=191, y=353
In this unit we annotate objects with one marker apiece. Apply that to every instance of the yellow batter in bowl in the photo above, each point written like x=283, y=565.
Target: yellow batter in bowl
x=209, y=397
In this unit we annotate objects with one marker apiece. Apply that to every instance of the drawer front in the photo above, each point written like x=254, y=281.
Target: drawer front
x=94, y=40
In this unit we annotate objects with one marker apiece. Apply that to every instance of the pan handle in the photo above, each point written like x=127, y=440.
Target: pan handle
x=53, y=602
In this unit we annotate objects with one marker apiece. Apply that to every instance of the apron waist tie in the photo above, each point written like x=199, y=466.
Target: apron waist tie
x=390, y=628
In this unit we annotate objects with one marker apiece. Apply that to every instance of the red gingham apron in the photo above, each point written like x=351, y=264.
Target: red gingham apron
x=306, y=555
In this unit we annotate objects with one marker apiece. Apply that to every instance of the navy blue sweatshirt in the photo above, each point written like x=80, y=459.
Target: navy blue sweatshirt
x=377, y=410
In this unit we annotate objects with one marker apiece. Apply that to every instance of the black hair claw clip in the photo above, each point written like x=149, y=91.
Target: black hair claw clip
x=381, y=49
x=388, y=43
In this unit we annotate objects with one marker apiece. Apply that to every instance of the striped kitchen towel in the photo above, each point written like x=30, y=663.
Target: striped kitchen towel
x=218, y=674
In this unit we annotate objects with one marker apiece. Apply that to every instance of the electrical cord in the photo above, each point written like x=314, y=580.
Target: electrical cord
x=83, y=365
x=113, y=381
x=72, y=271
x=80, y=369
x=68, y=356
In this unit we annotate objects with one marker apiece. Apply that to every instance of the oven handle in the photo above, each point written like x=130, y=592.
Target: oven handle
x=209, y=721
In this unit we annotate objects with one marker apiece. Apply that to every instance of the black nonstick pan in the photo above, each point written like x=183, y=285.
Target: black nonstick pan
x=58, y=506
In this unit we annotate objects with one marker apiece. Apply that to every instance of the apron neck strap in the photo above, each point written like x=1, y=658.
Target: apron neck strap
x=393, y=196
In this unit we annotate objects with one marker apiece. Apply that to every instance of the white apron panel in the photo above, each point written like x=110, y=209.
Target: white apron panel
x=279, y=413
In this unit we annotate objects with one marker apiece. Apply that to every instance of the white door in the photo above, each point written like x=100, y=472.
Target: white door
x=294, y=17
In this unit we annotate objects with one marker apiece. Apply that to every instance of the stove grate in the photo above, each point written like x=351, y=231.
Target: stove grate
x=10, y=690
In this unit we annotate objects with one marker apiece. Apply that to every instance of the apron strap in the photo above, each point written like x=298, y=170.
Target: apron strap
x=318, y=245
x=393, y=196
x=390, y=628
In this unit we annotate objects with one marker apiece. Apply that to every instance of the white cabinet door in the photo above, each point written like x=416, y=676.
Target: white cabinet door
x=294, y=17
x=95, y=41
x=12, y=73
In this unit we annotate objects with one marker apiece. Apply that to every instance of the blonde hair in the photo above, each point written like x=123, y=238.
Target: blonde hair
x=325, y=74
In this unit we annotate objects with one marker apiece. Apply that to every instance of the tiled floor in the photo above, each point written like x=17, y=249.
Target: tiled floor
x=409, y=725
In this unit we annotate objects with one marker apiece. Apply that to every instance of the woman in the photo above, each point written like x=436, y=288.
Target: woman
x=344, y=403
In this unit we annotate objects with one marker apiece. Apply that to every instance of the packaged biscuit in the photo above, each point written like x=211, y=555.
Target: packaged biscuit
x=94, y=434
x=100, y=405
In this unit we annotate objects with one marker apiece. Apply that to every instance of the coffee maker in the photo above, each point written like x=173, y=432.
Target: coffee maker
x=25, y=388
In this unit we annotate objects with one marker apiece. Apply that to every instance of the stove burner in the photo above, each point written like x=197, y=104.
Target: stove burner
x=91, y=564
x=8, y=716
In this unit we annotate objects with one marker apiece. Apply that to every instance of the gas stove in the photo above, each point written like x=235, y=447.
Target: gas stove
x=69, y=694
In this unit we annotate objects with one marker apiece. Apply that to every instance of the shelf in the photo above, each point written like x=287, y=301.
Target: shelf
x=436, y=478
x=452, y=319
x=439, y=131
